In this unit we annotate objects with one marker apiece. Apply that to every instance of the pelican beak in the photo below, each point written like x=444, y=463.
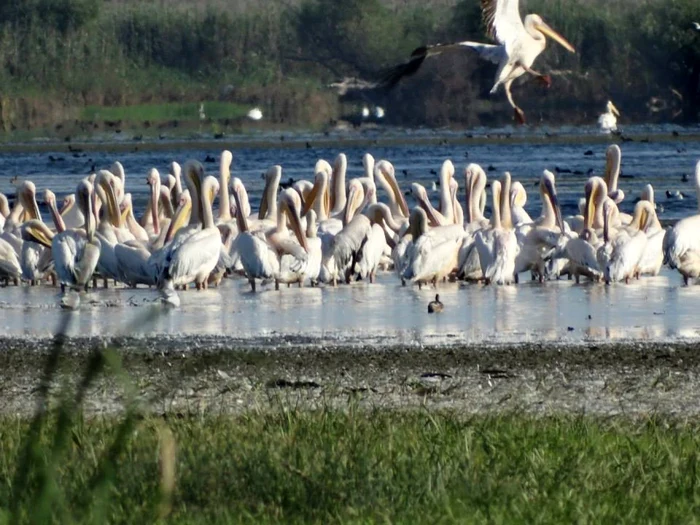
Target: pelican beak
x=154, y=208
x=468, y=183
x=38, y=234
x=403, y=206
x=180, y=218
x=295, y=223
x=67, y=205
x=309, y=200
x=125, y=213
x=614, y=109
x=264, y=205
x=110, y=201
x=591, y=191
x=354, y=195
x=551, y=33
x=552, y=192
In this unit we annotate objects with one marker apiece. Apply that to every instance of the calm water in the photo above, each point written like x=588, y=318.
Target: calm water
x=654, y=308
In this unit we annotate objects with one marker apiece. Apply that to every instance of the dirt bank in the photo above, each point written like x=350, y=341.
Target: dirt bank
x=206, y=374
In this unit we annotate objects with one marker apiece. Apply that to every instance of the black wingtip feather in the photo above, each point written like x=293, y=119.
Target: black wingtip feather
x=390, y=77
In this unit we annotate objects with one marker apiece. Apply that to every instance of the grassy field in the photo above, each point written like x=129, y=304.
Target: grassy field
x=161, y=112
x=351, y=467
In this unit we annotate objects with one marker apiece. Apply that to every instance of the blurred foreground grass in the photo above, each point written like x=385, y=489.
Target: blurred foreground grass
x=352, y=466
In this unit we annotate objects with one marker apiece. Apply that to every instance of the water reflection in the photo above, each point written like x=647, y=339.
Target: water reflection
x=654, y=308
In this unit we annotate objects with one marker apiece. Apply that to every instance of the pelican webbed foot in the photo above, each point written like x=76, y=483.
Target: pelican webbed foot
x=519, y=116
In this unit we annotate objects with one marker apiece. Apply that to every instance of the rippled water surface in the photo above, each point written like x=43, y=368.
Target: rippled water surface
x=653, y=308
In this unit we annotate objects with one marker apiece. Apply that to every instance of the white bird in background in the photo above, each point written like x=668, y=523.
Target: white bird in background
x=379, y=112
x=202, y=115
x=255, y=114
x=365, y=112
x=608, y=120
x=696, y=25
x=520, y=42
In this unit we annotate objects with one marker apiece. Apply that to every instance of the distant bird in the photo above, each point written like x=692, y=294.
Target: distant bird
x=202, y=115
x=696, y=26
x=379, y=112
x=608, y=120
x=435, y=307
x=365, y=112
x=255, y=114
x=675, y=195
x=520, y=43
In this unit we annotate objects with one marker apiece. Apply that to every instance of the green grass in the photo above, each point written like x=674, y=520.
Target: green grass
x=358, y=466
x=163, y=112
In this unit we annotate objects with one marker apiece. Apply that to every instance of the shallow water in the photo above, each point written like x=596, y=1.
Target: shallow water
x=654, y=308
x=659, y=162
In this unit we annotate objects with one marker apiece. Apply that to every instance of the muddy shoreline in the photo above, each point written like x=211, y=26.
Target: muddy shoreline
x=192, y=374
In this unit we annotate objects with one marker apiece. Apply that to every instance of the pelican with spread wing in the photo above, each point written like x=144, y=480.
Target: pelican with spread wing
x=520, y=42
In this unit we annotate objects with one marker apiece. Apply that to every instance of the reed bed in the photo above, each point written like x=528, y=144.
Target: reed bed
x=117, y=53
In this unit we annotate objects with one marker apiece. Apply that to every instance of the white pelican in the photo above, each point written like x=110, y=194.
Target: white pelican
x=313, y=264
x=537, y=239
x=36, y=259
x=497, y=245
x=608, y=120
x=469, y=267
x=581, y=250
x=519, y=44
x=627, y=247
x=386, y=177
x=653, y=256
x=432, y=253
x=696, y=26
x=681, y=244
x=224, y=181
x=10, y=268
x=193, y=256
x=76, y=251
x=518, y=199
x=261, y=256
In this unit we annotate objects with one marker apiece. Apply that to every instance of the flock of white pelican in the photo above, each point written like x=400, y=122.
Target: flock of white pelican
x=332, y=230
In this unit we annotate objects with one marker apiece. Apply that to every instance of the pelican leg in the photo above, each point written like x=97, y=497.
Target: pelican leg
x=300, y=283
x=519, y=113
x=94, y=282
x=53, y=280
x=252, y=284
x=198, y=285
x=516, y=278
x=578, y=280
x=277, y=284
x=105, y=282
x=545, y=79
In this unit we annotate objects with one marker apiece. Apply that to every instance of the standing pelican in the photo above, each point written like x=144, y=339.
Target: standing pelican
x=681, y=244
x=192, y=257
x=608, y=120
x=519, y=44
x=75, y=251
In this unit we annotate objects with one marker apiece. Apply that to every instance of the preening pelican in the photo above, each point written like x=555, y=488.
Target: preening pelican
x=498, y=246
x=608, y=120
x=681, y=244
x=193, y=256
x=432, y=252
x=627, y=248
x=76, y=252
x=519, y=44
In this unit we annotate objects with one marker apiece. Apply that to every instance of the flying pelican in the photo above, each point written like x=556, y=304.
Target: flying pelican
x=608, y=120
x=681, y=244
x=520, y=42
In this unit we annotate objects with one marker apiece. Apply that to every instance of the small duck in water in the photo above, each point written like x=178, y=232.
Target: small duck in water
x=435, y=306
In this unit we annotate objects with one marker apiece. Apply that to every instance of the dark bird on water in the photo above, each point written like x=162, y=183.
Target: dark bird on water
x=435, y=306
x=520, y=42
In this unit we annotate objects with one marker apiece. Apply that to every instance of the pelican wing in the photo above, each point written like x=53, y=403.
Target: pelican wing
x=392, y=76
x=201, y=250
x=503, y=22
